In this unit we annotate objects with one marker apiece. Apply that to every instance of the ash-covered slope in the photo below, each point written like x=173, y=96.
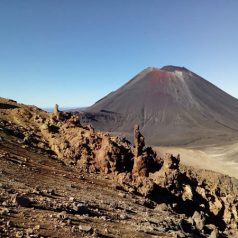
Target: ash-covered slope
x=172, y=105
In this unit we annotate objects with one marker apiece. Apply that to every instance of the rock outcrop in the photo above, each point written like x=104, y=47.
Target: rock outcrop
x=137, y=168
x=56, y=112
x=208, y=200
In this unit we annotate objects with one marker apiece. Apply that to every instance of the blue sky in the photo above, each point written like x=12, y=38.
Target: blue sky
x=74, y=52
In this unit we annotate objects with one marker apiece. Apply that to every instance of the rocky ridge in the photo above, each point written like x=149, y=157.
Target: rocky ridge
x=201, y=203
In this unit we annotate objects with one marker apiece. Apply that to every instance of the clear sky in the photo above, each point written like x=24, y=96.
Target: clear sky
x=73, y=52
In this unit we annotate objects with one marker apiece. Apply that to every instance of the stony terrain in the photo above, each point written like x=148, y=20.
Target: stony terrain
x=59, y=178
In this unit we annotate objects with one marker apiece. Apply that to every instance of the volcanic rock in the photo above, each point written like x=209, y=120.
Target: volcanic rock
x=71, y=150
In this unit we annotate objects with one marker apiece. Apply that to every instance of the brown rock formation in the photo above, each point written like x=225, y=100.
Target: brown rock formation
x=139, y=141
x=205, y=198
x=56, y=112
x=144, y=158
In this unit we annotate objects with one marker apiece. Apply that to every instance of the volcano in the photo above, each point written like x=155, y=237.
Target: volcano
x=172, y=105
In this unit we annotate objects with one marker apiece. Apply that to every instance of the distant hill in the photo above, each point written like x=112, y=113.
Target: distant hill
x=65, y=109
x=172, y=105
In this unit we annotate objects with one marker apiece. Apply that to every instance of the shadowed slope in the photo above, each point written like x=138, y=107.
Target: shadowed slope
x=172, y=105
